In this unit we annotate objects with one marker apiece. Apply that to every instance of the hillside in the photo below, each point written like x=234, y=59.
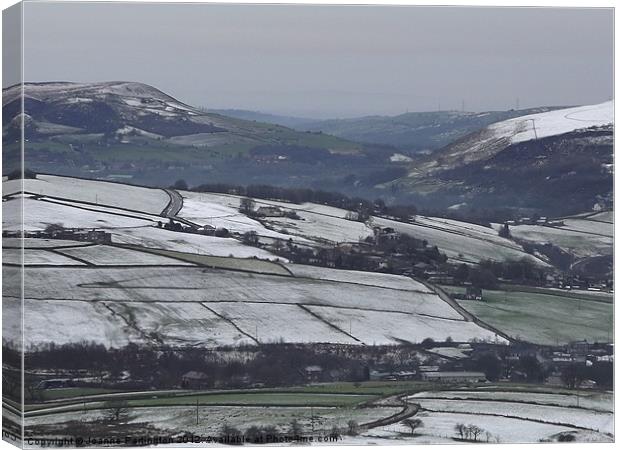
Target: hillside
x=154, y=285
x=566, y=153
x=411, y=133
x=133, y=113
x=133, y=130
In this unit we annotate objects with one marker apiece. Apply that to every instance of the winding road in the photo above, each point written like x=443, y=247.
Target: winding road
x=174, y=205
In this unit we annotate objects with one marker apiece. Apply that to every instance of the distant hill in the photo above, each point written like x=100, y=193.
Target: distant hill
x=133, y=130
x=257, y=116
x=410, y=133
x=135, y=112
x=560, y=161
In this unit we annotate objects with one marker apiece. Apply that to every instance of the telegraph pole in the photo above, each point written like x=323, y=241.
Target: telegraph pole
x=534, y=127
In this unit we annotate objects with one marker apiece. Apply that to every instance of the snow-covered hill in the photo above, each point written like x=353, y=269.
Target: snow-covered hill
x=567, y=154
x=129, y=112
x=496, y=137
x=551, y=123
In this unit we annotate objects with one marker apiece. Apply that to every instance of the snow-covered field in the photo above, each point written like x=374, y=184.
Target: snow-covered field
x=379, y=327
x=577, y=417
x=212, y=418
x=35, y=256
x=441, y=426
x=605, y=216
x=552, y=123
x=321, y=227
x=181, y=323
x=139, y=230
x=105, y=255
x=357, y=277
x=40, y=243
x=459, y=240
x=274, y=323
x=590, y=226
x=267, y=304
x=136, y=198
x=468, y=243
x=11, y=314
x=599, y=401
x=318, y=222
x=61, y=322
x=199, y=209
x=40, y=214
x=160, y=238
x=213, y=285
x=581, y=244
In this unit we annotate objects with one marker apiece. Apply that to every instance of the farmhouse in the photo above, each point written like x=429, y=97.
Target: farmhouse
x=99, y=236
x=270, y=211
x=385, y=234
x=313, y=373
x=555, y=223
x=473, y=293
x=452, y=377
x=55, y=383
x=194, y=380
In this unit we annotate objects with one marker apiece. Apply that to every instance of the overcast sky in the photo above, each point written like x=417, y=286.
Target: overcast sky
x=329, y=61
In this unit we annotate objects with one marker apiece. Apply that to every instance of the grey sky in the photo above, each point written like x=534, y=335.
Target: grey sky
x=329, y=60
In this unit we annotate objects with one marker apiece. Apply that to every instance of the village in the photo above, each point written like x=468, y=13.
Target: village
x=577, y=365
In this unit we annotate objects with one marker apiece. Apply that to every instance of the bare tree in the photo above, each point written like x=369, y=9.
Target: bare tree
x=460, y=429
x=352, y=428
x=250, y=238
x=295, y=428
x=246, y=206
x=117, y=410
x=54, y=228
x=414, y=424
x=475, y=431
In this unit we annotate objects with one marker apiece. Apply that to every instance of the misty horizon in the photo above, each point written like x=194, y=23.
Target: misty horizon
x=329, y=61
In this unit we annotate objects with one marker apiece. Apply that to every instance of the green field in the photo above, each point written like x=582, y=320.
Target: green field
x=338, y=394
x=234, y=398
x=548, y=319
x=55, y=394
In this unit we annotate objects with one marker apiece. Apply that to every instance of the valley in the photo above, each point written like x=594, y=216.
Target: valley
x=231, y=279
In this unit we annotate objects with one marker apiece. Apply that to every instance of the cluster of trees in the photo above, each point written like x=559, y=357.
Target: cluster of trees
x=504, y=231
x=270, y=364
x=532, y=370
x=486, y=274
x=17, y=174
x=473, y=433
x=270, y=434
x=600, y=372
x=522, y=270
x=557, y=256
x=417, y=250
x=403, y=251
